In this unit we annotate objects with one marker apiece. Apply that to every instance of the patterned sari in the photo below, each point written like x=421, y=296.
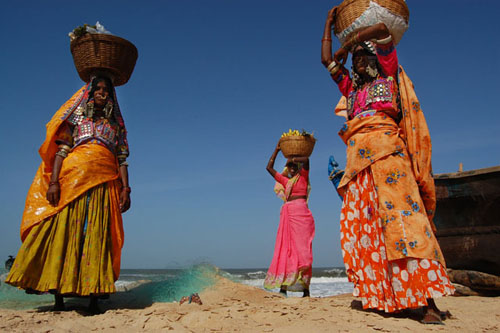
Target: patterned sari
x=387, y=236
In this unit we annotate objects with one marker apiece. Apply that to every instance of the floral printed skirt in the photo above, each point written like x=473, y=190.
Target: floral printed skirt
x=381, y=284
x=291, y=266
x=70, y=252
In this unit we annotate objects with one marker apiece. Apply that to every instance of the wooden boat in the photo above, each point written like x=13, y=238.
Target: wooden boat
x=468, y=219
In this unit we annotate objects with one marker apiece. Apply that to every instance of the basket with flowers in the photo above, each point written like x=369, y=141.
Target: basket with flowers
x=297, y=143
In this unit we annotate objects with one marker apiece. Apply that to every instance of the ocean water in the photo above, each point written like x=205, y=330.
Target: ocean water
x=146, y=286
x=326, y=281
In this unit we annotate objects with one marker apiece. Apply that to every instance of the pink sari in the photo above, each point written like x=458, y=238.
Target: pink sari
x=292, y=260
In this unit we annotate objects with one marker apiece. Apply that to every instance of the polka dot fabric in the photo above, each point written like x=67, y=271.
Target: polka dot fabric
x=381, y=284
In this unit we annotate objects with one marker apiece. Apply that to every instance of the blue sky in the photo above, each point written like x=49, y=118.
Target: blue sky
x=215, y=85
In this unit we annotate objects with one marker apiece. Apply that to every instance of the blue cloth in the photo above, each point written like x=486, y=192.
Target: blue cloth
x=334, y=173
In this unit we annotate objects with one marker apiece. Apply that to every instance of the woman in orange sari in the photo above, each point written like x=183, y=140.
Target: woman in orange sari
x=72, y=229
x=387, y=236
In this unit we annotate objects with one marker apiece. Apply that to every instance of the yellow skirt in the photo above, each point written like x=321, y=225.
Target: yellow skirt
x=69, y=253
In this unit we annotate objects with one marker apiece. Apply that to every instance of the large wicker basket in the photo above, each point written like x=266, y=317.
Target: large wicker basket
x=355, y=14
x=297, y=145
x=102, y=53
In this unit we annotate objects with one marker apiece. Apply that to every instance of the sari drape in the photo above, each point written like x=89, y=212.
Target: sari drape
x=390, y=251
x=87, y=168
x=291, y=265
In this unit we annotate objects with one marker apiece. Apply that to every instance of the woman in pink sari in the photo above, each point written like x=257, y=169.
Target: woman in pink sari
x=291, y=267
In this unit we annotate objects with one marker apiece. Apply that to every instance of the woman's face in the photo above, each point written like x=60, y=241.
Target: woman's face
x=292, y=168
x=360, y=60
x=101, y=94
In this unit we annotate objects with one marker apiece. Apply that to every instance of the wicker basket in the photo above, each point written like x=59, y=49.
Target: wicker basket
x=349, y=14
x=102, y=53
x=297, y=145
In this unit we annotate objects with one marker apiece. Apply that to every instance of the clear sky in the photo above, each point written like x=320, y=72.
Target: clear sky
x=215, y=85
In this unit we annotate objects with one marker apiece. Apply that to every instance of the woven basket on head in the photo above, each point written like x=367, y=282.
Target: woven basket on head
x=351, y=10
x=102, y=53
x=297, y=145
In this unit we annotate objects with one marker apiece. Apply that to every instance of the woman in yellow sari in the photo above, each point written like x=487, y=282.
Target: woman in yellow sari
x=72, y=229
x=387, y=236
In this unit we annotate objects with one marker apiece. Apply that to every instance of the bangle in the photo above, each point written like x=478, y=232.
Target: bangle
x=332, y=65
x=356, y=38
x=54, y=183
x=326, y=40
x=385, y=40
x=64, y=147
x=334, y=70
x=126, y=189
x=63, y=153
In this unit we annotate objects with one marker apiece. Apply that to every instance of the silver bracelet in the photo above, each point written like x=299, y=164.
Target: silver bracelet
x=386, y=40
x=63, y=153
x=332, y=65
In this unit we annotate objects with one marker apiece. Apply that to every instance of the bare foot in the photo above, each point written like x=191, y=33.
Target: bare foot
x=443, y=314
x=59, y=303
x=431, y=317
x=94, y=308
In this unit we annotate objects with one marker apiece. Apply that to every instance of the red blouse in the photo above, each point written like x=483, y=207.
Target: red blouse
x=300, y=187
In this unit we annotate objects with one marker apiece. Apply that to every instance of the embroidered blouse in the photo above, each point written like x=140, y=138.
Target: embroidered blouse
x=380, y=94
x=78, y=129
x=300, y=187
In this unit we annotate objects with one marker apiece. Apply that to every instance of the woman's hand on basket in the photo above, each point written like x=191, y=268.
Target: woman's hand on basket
x=340, y=56
x=330, y=18
x=53, y=194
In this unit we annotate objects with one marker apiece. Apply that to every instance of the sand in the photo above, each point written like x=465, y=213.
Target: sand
x=232, y=307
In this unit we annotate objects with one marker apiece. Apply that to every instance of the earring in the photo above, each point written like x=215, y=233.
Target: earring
x=108, y=109
x=89, y=110
x=355, y=79
x=372, y=70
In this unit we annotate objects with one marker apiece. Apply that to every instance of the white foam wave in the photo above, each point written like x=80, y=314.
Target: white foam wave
x=320, y=287
x=324, y=279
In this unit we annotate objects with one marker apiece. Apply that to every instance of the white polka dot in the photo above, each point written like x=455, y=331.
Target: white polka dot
x=424, y=263
x=432, y=275
x=369, y=272
x=367, y=228
x=373, y=289
x=412, y=265
x=360, y=275
x=375, y=256
x=397, y=285
x=404, y=275
x=395, y=269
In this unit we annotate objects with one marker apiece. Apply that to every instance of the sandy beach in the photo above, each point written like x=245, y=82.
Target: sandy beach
x=233, y=307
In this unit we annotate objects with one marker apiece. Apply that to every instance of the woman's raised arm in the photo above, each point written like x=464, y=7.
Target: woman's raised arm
x=270, y=164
